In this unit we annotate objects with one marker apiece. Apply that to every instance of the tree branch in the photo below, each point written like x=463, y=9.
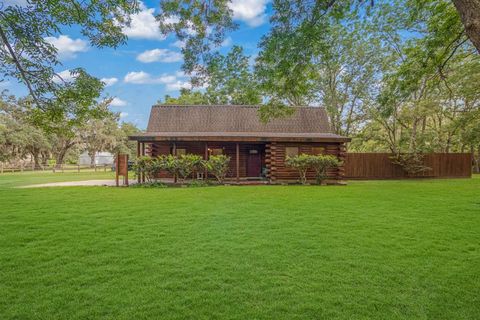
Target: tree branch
x=19, y=65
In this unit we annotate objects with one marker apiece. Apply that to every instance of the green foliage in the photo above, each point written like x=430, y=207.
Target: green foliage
x=321, y=163
x=19, y=137
x=183, y=166
x=188, y=164
x=186, y=97
x=301, y=163
x=411, y=163
x=201, y=25
x=148, y=166
x=124, y=145
x=229, y=79
x=218, y=166
x=26, y=54
x=169, y=163
x=101, y=135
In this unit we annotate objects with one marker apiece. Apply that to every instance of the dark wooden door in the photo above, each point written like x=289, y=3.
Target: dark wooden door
x=254, y=164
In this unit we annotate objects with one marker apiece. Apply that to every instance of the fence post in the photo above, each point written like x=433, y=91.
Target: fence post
x=95, y=167
x=78, y=167
x=33, y=166
x=61, y=166
x=104, y=167
x=1, y=167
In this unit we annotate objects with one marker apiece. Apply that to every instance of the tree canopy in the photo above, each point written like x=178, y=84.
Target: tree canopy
x=25, y=53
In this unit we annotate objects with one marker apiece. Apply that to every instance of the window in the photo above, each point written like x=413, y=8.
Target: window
x=181, y=151
x=317, y=150
x=291, y=151
x=216, y=151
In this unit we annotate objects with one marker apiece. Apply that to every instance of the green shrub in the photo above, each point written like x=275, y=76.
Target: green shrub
x=188, y=164
x=147, y=166
x=318, y=163
x=412, y=163
x=301, y=163
x=321, y=163
x=218, y=166
x=170, y=164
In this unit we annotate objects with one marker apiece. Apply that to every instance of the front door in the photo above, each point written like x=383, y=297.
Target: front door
x=254, y=163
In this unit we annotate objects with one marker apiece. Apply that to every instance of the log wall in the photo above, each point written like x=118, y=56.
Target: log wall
x=278, y=171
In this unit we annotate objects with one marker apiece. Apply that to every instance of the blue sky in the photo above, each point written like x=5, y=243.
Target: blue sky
x=148, y=66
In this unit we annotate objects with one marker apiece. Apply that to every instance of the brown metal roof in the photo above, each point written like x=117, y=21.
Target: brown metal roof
x=181, y=121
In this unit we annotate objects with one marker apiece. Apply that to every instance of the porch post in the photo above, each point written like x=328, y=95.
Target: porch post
x=174, y=151
x=205, y=173
x=238, y=162
x=138, y=156
x=143, y=154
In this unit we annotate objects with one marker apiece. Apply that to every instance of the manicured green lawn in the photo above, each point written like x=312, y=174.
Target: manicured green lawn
x=378, y=249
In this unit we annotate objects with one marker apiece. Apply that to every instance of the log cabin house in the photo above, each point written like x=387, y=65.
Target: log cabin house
x=257, y=150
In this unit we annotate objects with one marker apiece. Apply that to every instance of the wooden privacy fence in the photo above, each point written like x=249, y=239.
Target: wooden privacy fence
x=380, y=166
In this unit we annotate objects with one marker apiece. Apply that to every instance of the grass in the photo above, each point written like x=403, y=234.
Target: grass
x=29, y=178
x=370, y=250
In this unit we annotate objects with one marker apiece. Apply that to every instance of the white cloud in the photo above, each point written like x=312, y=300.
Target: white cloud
x=161, y=55
x=138, y=77
x=123, y=115
x=142, y=77
x=109, y=81
x=252, y=12
x=117, y=102
x=172, y=82
x=177, y=85
x=67, y=47
x=64, y=75
x=143, y=25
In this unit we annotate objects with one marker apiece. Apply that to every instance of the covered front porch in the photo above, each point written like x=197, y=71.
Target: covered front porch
x=248, y=161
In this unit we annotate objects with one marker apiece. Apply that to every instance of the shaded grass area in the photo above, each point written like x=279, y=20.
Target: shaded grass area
x=377, y=249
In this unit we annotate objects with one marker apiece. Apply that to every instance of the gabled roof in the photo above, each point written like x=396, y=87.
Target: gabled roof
x=209, y=121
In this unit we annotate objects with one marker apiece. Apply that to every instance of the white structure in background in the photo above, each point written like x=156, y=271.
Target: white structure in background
x=101, y=158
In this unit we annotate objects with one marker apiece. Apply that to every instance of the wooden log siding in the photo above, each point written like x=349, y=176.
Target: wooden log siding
x=270, y=150
x=380, y=166
x=280, y=172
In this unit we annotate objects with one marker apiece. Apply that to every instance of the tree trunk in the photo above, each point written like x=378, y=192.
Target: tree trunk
x=477, y=161
x=469, y=11
x=45, y=157
x=36, y=160
x=413, y=137
x=60, y=157
x=92, y=159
